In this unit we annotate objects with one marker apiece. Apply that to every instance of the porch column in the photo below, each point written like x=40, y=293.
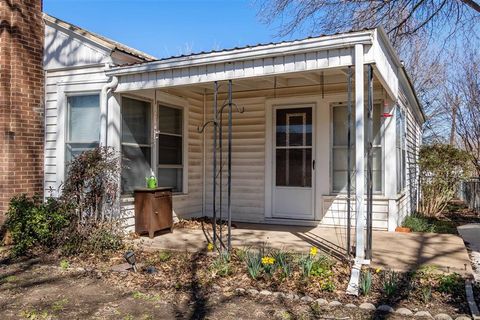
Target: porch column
x=359, y=155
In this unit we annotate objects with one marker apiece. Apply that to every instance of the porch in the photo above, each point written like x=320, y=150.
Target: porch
x=391, y=250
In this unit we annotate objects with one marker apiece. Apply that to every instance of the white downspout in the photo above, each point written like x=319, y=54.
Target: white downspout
x=111, y=85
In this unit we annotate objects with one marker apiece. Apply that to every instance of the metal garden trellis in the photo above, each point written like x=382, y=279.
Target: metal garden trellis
x=217, y=123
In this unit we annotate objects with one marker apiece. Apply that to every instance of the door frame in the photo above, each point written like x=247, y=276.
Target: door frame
x=270, y=145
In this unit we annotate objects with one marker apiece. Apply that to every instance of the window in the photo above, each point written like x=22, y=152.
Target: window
x=400, y=147
x=340, y=148
x=136, y=143
x=83, y=124
x=170, y=148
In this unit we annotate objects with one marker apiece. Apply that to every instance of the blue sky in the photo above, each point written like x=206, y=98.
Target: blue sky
x=164, y=28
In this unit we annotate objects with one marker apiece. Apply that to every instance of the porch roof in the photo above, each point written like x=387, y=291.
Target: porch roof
x=275, y=59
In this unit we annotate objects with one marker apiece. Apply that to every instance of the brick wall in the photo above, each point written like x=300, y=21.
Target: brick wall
x=21, y=99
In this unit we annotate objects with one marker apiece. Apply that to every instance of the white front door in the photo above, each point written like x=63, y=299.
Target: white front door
x=293, y=175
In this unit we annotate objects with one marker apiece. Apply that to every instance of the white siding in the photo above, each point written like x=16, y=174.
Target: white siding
x=408, y=203
x=57, y=85
x=64, y=48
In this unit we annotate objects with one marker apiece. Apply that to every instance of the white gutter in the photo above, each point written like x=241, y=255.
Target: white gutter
x=104, y=109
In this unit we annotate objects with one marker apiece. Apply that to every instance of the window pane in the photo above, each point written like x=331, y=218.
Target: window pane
x=170, y=120
x=169, y=149
x=340, y=126
x=294, y=167
x=135, y=121
x=377, y=180
x=377, y=124
x=74, y=149
x=294, y=127
x=135, y=167
x=340, y=181
x=83, y=118
x=171, y=177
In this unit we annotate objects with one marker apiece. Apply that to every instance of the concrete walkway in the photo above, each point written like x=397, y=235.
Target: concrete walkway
x=397, y=251
x=471, y=235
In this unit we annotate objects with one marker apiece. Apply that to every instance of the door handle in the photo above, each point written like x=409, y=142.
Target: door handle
x=313, y=164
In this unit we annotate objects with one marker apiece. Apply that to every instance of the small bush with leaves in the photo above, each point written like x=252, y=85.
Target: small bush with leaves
x=366, y=282
x=450, y=283
x=34, y=223
x=100, y=238
x=426, y=294
x=442, y=167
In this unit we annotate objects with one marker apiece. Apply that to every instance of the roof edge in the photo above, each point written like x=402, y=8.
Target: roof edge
x=110, y=44
x=337, y=41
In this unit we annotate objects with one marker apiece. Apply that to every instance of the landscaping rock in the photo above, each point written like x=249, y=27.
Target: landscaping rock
x=404, y=312
x=385, y=308
x=265, y=293
x=367, y=306
x=306, y=299
x=278, y=295
x=252, y=292
x=463, y=318
x=290, y=296
x=423, y=314
x=321, y=302
x=240, y=291
x=334, y=304
x=350, y=305
x=442, y=316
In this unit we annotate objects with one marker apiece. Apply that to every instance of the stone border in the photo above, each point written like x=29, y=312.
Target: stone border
x=366, y=306
x=471, y=300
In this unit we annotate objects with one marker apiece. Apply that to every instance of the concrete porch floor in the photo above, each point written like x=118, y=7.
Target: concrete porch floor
x=392, y=250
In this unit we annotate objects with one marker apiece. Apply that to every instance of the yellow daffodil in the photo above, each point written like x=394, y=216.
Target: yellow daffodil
x=268, y=260
x=378, y=270
x=210, y=246
x=313, y=251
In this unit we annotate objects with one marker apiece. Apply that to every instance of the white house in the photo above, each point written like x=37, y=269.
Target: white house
x=289, y=162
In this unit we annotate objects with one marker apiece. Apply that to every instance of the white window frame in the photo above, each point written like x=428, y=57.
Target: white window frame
x=152, y=142
x=402, y=159
x=67, y=123
x=381, y=145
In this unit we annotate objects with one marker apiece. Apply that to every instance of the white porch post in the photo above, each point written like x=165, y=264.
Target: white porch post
x=359, y=155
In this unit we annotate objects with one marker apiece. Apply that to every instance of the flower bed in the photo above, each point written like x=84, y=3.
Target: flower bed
x=312, y=274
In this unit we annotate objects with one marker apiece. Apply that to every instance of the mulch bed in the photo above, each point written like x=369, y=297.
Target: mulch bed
x=193, y=273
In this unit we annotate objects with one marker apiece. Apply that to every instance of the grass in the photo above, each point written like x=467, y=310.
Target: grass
x=419, y=223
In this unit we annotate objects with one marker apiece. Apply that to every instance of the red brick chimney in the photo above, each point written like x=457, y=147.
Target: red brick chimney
x=21, y=99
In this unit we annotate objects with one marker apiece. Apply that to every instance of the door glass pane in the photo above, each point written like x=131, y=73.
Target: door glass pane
x=294, y=167
x=170, y=120
x=169, y=149
x=135, y=121
x=84, y=118
x=135, y=166
x=294, y=127
x=171, y=177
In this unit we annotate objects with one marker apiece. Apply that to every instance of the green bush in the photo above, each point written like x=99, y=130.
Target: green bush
x=419, y=223
x=450, y=283
x=442, y=167
x=34, y=223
